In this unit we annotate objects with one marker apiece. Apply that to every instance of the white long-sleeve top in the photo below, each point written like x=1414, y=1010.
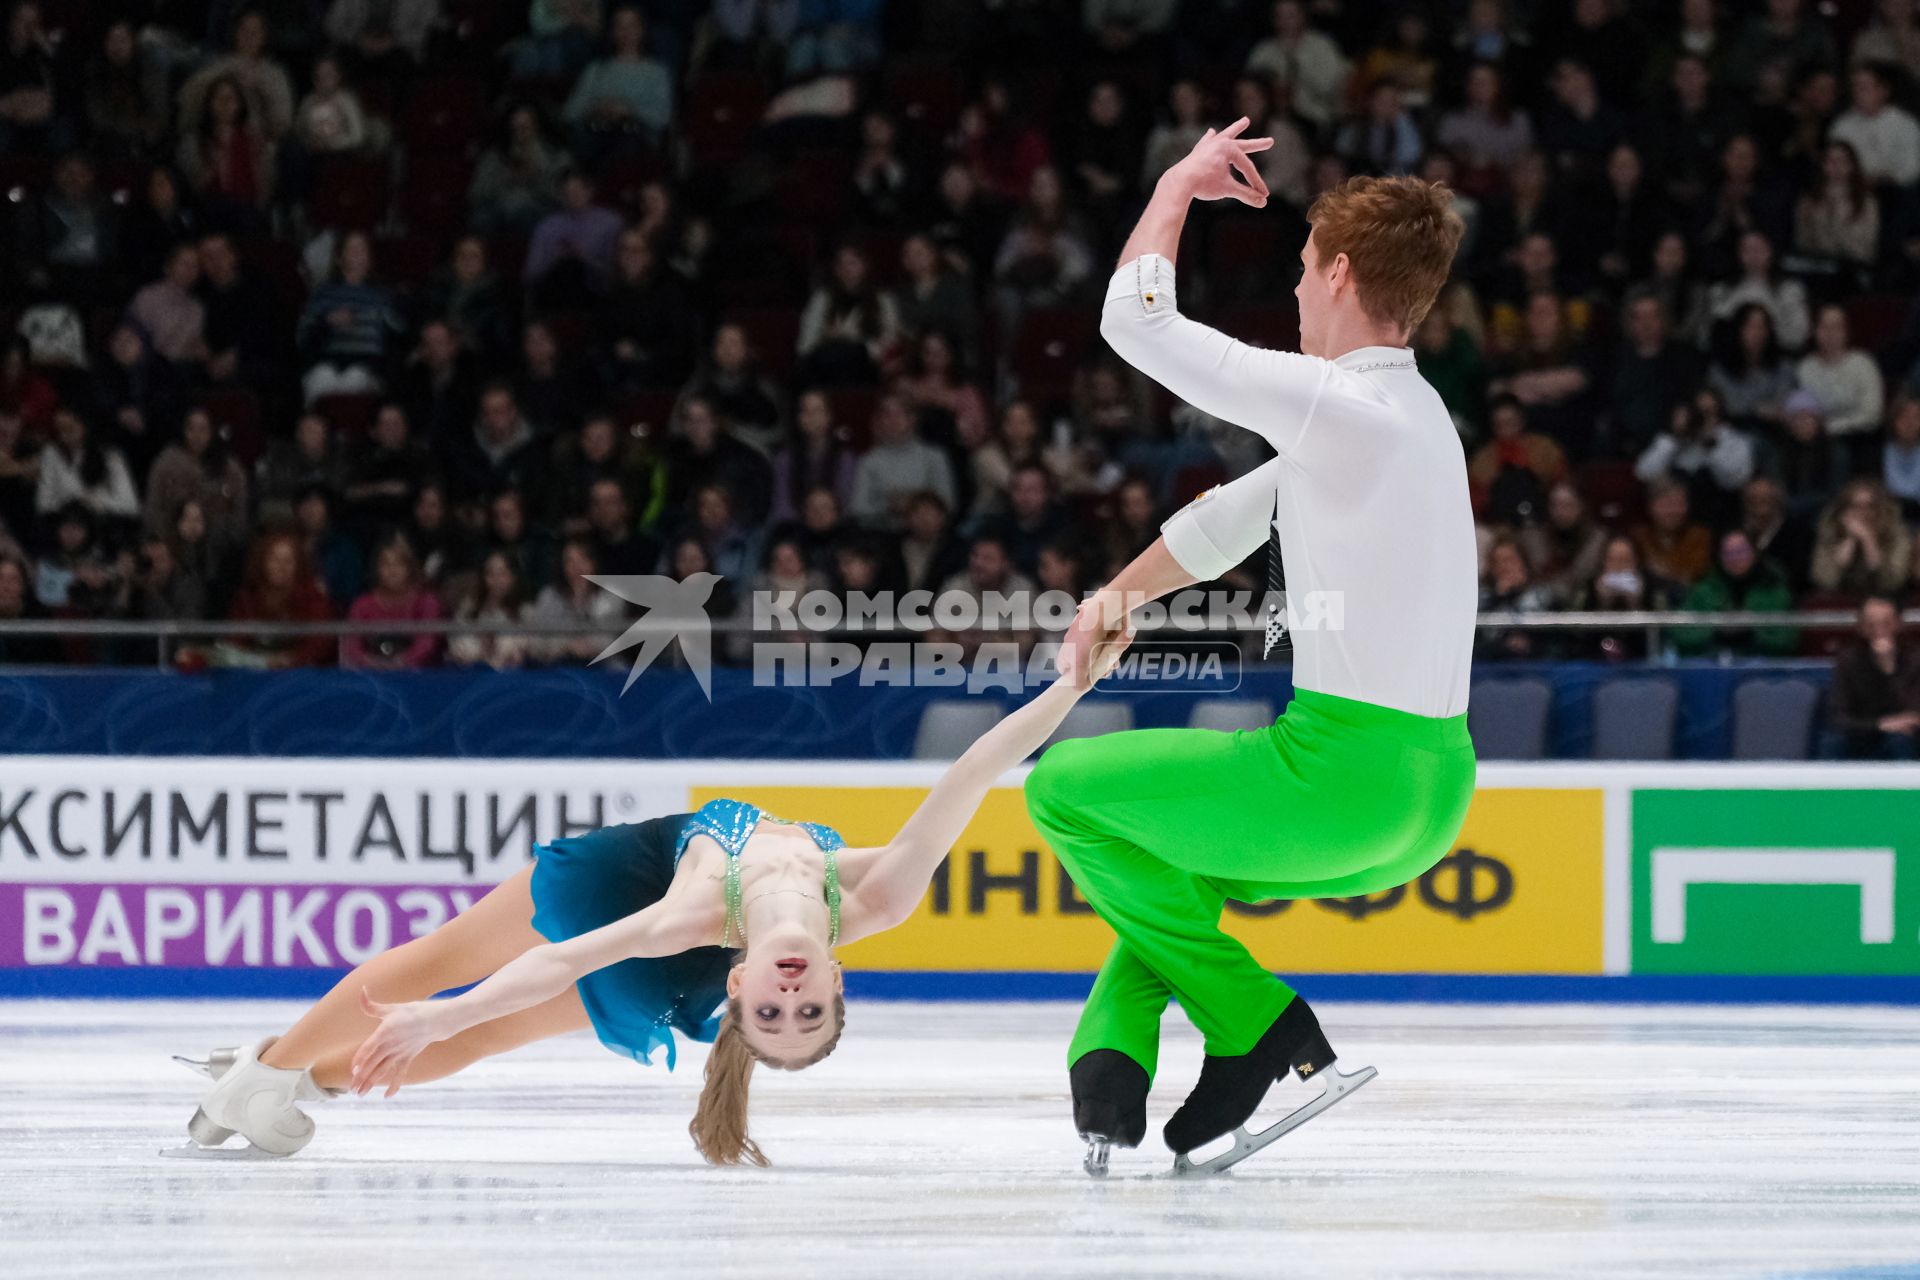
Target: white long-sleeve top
x=1371, y=484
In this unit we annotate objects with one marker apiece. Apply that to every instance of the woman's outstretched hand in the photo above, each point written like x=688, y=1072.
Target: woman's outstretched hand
x=1207, y=171
x=404, y=1030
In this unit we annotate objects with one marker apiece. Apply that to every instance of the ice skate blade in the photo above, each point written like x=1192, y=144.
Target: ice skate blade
x=194, y=1151
x=213, y=1066
x=1339, y=1085
x=1098, y=1149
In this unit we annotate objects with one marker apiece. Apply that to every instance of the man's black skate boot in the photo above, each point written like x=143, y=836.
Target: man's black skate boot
x=1230, y=1089
x=1109, y=1103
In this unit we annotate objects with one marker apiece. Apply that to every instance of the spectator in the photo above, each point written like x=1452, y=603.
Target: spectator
x=498, y=596
x=1173, y=137
x=30, y=116
x=242, y=329
x=1305, y=65
x=137, y=395
x=732, y=548
x=443, y=551
x=172, y=318
x=1551, y=375
x=75, y=468
x=378, y=30
x=814, y=457
x=198, y=467
x=278, y=586
x=1885, y=137
x=1782, y=39
x=1564, y=550
x=1450, y=360
x=928, y=549
x=1287, y=165
x=1034, y=518
x=203, y=576
x=66, y=236
x=1511, y=473
x=1839, y=219
x=703, y=450
x=348, y=327
x=849, y=327
x=967, y=222
x=1672, y=546
x=158, y=223
x=598, y=453
x=571, y=254
x=732, y=383
x=624, y=92
x=1579, y=128
x=1874, y=704
x=517, y=181
x=618, y=547
x=164, y=590
x=1671, y=279
x=1002, y=151
x=1891, y=38
x=397, y=596
x=440, y=388
x=229, y=160
x=330, y=119
x=1740, y=582
x=559, y=40
x=1748, y=372
x=1848, y=383
x=931, y=298
x=648, y=323
x=1860, y=546
x=550, y=391
x=1105, y=164
x=1900, y=456
x=1704, y=452
x=896, y=467
x=883, y=185
x=1510, y=588
x=1775, y=532
x=19, y=483
x=310, y=457
x=1487, y=132
x=1811, y=463
x=572, y=603
x=1683, y=136
x=995, y=589
x=17, y=604
x=1384, y=140
x=264, y=92
x=509, y=529
x=501, y=451
x=382, y=474
x=1045, y=261
x=78, y=577
x=949, y=406
x=1785, y=299
x=1652, y=374
x=332, y=554
x=1621, y=584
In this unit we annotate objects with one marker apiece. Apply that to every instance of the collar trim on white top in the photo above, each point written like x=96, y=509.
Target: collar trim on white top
x=1372, y=359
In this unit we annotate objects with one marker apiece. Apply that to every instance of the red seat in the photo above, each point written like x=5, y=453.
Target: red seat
x=236, y=415
x=723, y=109
x=351, y=417
x=443, y=116
x=408, y=260
x=853, y=414
x=625, y=178
x=1612, y=490
x=349, y=193
x=433, y=201
x=1876, y=320
x=772, y=333
x=1051, y=345
x=926, y=96
x=646, y=415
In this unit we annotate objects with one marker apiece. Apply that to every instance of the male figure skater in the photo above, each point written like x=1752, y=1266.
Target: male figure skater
x=1363, y=782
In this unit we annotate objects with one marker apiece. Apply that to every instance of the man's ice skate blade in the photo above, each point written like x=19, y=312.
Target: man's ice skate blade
x=1099, y=1148
x=1339, y=1085
x=194, y=1151
x=1109, y=1105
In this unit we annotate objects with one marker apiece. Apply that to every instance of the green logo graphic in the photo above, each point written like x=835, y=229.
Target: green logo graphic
x=1790, y=881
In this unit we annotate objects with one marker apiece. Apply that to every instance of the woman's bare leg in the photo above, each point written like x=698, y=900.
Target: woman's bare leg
x=465, y=949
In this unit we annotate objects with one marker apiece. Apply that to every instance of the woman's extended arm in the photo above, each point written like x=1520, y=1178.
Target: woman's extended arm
x=668, y=927
x=889, y=892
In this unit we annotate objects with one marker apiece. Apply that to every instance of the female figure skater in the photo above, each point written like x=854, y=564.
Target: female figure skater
x=636, y=931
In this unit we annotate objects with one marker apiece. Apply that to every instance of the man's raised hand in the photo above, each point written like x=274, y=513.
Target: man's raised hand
x=1208, y=170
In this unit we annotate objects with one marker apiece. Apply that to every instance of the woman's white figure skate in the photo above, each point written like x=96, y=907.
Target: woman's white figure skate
x=253, y=1100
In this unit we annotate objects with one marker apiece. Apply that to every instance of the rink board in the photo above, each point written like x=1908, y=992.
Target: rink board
x=169, y=877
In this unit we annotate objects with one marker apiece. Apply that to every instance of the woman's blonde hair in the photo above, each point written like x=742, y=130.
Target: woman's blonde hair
x=719, y=1124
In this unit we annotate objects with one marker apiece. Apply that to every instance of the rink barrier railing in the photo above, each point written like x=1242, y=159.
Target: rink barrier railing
x=168, y=636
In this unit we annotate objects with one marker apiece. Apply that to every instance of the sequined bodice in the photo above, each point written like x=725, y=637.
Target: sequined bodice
x=731, y=824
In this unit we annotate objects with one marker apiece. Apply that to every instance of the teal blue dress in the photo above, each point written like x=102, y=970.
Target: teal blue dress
x=581, y=883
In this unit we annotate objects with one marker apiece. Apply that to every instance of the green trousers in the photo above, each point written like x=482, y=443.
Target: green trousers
x=1159, y=827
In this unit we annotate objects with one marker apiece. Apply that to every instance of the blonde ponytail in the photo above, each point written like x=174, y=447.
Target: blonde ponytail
x=719, y=1125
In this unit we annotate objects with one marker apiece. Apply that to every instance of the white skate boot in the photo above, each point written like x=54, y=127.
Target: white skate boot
x=254, y=1100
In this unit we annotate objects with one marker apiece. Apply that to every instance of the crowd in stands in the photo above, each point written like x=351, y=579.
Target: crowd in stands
x=400, y=309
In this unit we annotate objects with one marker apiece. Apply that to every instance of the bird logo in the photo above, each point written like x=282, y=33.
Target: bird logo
x=671, y=610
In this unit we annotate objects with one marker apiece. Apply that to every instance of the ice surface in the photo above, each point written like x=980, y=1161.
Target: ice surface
x=1509, y=1141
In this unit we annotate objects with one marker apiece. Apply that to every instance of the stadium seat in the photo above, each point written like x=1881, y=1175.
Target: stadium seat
x=1090, y=720
x=349, y=194
x=950, y=725
x=350, y=416
x=236, y=413
x=722, y=110
x=1773, y=719
x=926, y=96
x=1634, y=718
x=772, y=332
x=442, y=115
x=1050, y=348
x=1612, y=491
x=433, y=199
x=1507, y=718
x=853, y=414
x=646, y=415
x=1228, y=714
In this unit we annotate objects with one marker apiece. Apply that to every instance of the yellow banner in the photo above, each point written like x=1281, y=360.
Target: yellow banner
x=1522, y=892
